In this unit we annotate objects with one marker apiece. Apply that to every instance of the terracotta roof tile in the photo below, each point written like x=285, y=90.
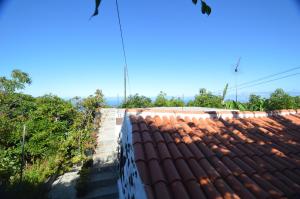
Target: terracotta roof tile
x=150, y=151
x=225, y=190
x=197, y=170
x=170, y=171
x=196, y=151
x=136, y=138
x=218, y=158
x=146, y=137
x=139, y=152
x=163, y=151
x=149, y=192
x=158, y=137
x=185, y=151
x=209, y=169
x=184, y=170
x=161, y=191
x=156, y=172
x=167, y=137
x=174, y=151
x=252, y=186
x=135, y=128
x=143, y=171
x=234, y=168
x=239, y=188
x=178, y=190
x=266, y=185
x=194, y=190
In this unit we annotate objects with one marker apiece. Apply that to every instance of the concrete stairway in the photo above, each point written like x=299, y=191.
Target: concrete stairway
x=104, y=174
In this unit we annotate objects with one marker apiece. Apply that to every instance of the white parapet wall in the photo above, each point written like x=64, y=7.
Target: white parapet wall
x=210, y=114
x=130, y=183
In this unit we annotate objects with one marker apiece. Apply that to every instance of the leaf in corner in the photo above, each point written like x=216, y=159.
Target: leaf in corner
x=205, y=9
x=208, y=10
x=195, y=1
x=96, y=7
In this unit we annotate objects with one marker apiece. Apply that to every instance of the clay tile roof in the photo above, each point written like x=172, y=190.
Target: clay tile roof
x=238, y=157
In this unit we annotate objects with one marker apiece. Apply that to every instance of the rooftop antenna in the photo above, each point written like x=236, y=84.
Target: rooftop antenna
x=236, y=70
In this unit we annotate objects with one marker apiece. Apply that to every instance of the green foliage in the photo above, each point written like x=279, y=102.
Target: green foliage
x=230, y=104
x=297, y=102
x=280, y=100
x=137, y=101
x=224, y=92
x=206, y=99
x=58, y=134
x=18, y=81
x=176, y=102
x=161, y=100
x=256, y=103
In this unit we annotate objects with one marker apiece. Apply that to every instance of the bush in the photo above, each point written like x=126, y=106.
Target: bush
x=137, y=101
x=280, y=100
x=206, y=99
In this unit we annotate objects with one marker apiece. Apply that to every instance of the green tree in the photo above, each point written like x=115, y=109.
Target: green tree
x=17, y=82
x=206, y=99
x=137, y=101
x=176, y=102
x=297, y=102
x=279, y=99
x=256, y=103
x=161, y=100
x=58, y=132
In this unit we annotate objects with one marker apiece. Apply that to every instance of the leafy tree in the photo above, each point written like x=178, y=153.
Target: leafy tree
x=137, y=101
x=18, y=81
x=161, y=100
x=297, y=102
x=58, y=132
x=93, y=102
x=256, y=103
x=206, y=99
x=176, y=102
x=279, y=99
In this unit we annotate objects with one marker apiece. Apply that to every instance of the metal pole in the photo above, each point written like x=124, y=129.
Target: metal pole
x=125, y=97
x=23, y=143
x=236, y=89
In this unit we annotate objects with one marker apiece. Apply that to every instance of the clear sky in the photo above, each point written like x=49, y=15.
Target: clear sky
x=170, y=45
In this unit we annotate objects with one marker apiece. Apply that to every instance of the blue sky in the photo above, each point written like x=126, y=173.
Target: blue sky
x=170, y=45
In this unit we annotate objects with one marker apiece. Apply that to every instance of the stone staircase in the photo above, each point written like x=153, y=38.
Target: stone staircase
x=104, y=174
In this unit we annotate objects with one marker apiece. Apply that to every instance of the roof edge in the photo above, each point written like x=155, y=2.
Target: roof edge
x=210, y=114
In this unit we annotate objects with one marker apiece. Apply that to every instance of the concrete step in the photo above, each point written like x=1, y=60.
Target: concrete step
x=106, y=151
x=107, y=143
x=104, y=192
x=104, y=167
x=103, y=179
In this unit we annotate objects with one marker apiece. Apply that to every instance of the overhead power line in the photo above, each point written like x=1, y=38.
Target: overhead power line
x=264, y=78
x=126, y=77
x=272, y=80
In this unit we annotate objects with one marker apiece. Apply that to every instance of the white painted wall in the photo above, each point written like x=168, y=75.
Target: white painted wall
x=126, y=189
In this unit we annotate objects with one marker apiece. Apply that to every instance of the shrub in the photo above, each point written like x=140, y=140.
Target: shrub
x=137, y=101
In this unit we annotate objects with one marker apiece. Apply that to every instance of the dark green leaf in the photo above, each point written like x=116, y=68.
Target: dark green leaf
x=96, y=7
x=195, y=1
x=205, y=9
x=208, y=10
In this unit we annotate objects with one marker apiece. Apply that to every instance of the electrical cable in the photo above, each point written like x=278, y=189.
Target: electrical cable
x=126, y=76
x=263, y=78
x=268, y=81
